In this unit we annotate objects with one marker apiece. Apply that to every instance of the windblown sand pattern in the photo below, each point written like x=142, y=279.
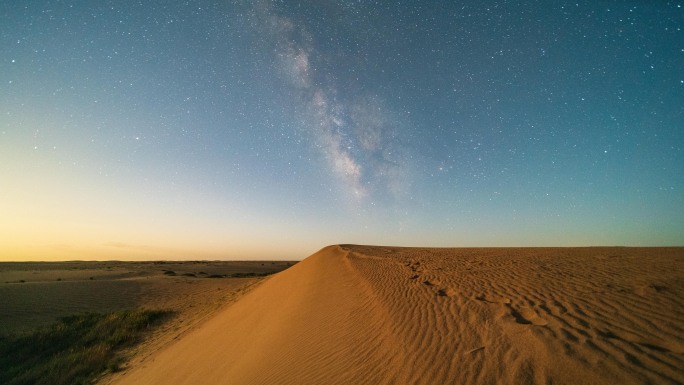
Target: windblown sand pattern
x=380, y=315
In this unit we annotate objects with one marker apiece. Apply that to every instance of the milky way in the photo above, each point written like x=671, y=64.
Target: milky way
x=356, y=136
x=260, y=129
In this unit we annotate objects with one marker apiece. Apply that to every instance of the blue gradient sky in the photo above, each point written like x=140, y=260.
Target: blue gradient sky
x=266, y=130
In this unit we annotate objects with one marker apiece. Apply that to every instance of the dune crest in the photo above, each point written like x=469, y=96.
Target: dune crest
x=380, y=315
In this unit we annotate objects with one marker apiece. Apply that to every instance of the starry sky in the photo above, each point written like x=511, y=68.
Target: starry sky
x=268, y=129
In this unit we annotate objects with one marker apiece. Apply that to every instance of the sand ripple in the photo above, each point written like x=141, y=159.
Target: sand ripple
x=379, y=315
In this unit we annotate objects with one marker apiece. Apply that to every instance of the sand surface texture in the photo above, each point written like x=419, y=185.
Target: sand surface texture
x=374, y=315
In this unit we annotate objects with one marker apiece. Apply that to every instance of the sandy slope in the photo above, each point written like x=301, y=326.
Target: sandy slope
x=372, y=315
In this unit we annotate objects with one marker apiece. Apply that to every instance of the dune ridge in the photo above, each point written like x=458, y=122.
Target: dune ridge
x=383, y=315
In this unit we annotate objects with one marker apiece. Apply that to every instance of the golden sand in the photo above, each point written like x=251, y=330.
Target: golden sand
x=381, y=315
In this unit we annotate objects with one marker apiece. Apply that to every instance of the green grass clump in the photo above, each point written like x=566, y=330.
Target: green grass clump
x=75, y=350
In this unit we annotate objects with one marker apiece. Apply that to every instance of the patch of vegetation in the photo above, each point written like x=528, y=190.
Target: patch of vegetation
x=75, y=350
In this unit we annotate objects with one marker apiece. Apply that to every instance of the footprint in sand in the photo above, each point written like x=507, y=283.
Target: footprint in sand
x=440, y=292
x=493, y=299
x=447, y=292
x=527, y=315
x=650, y=289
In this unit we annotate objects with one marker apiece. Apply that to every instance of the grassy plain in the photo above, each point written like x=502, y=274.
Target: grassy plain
x=71, y=322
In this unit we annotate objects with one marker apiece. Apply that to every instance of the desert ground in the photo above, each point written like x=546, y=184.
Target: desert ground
x=36, y=294
x=385, y=315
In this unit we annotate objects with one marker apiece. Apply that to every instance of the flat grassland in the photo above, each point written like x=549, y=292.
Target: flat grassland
x=35, y=295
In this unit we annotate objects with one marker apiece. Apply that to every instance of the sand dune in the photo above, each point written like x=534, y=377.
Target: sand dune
x=374, y=315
